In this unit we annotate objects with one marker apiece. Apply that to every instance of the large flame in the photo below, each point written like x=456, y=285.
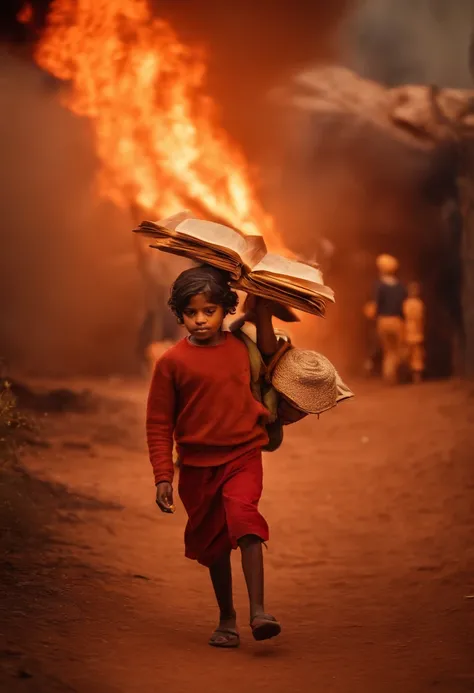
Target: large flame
x=156, y=132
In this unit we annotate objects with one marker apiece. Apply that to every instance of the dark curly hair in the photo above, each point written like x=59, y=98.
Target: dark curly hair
x=211, y=282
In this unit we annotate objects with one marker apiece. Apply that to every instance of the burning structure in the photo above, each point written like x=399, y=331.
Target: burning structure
x=399, y=159
x=157, y=141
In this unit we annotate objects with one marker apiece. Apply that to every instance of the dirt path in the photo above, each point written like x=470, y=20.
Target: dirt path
x=370, y=565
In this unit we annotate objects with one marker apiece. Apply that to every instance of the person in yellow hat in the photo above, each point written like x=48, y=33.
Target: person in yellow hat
x=390, y=295
x=414, y=313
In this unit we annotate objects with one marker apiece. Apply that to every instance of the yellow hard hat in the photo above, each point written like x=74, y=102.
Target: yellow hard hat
x=387, y=264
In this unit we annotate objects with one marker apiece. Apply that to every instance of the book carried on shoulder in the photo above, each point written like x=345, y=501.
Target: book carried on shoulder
x=245, y=257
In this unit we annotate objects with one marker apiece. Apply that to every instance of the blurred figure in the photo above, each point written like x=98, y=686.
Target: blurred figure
x=373, y=347
x=158, y=329
x=414, y=314
x=390, y=295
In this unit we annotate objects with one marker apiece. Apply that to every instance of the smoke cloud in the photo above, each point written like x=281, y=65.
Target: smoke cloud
x=68, y=287
x=399, y=41
x=337, y=179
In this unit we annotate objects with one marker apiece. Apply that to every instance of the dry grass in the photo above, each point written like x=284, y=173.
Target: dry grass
x=15, y=426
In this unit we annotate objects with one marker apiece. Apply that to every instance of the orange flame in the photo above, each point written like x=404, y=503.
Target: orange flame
x=25, y=15
x=155, y=130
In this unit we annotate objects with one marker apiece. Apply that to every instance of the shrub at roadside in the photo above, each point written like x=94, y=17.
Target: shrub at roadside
x=15, y=427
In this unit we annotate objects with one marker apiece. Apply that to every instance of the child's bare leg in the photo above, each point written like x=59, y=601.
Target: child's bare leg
x=225, y=634
x=252, y=565
x=221, y=576
x=264, y=626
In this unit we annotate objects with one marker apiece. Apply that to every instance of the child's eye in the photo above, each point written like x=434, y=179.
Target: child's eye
x=189, y=313
x=210, y=311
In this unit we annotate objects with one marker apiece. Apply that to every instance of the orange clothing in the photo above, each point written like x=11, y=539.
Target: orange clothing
x=416, y=357
x=414, y=314
x=201, y=396
x=390, y=332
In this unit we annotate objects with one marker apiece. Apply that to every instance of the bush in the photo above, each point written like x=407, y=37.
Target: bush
x=15, y=427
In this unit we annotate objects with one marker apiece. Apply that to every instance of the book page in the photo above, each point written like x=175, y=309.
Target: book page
x=279, y=265
x=255, y=251
x=291, y=285
x=169, y=224
x=222, y=262
x=207, y=238
x=198, y=252
x=213, y=234
x=151, y=231
x=314, y=303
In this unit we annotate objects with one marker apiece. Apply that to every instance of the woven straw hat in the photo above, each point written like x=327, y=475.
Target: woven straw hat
x=387, y=264
x=309, y=381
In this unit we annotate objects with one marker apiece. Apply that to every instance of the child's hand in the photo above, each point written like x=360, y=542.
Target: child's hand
x=250, y=303
x=256, y=304
x=164, y=497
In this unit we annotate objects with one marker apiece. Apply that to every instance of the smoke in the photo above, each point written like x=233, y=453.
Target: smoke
x=69, y=296
x=338, y=179
x=360, y=190
x=251, y=45
x=400, y=41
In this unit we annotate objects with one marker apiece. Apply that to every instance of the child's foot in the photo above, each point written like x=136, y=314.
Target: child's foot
x=226, y=634
x=264, y=627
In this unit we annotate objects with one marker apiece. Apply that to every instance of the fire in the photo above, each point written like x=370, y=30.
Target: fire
x=156, y=131
x=25, y=15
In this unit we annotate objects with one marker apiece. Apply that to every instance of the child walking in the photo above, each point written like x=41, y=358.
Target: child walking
x=200, y=397
x=414, y=314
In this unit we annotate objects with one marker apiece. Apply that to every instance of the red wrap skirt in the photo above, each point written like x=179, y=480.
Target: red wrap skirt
x=222, y=506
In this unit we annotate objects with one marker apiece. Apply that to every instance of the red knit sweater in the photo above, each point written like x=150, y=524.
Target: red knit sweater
x=202, y=397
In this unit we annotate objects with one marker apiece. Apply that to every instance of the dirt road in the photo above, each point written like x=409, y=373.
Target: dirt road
x=370, y=565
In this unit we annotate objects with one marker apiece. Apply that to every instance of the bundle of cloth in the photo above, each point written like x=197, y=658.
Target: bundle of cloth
x=295, y=383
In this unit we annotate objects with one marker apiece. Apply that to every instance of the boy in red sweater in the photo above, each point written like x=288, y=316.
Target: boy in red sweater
x=200, y=397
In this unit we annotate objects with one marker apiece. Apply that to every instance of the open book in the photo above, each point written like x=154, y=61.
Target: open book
x=245, y=257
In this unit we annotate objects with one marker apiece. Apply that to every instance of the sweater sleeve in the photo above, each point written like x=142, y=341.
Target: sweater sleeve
x=160, y=421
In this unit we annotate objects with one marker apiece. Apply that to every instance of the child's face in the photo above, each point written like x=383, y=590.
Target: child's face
x=203, y=319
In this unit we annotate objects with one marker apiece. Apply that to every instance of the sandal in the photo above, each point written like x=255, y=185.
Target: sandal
x=225, y=637
x=265, y=627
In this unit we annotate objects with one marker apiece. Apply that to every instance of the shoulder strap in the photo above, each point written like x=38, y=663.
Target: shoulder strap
x=263, y=391
x=283, y=347
x=257, y=365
